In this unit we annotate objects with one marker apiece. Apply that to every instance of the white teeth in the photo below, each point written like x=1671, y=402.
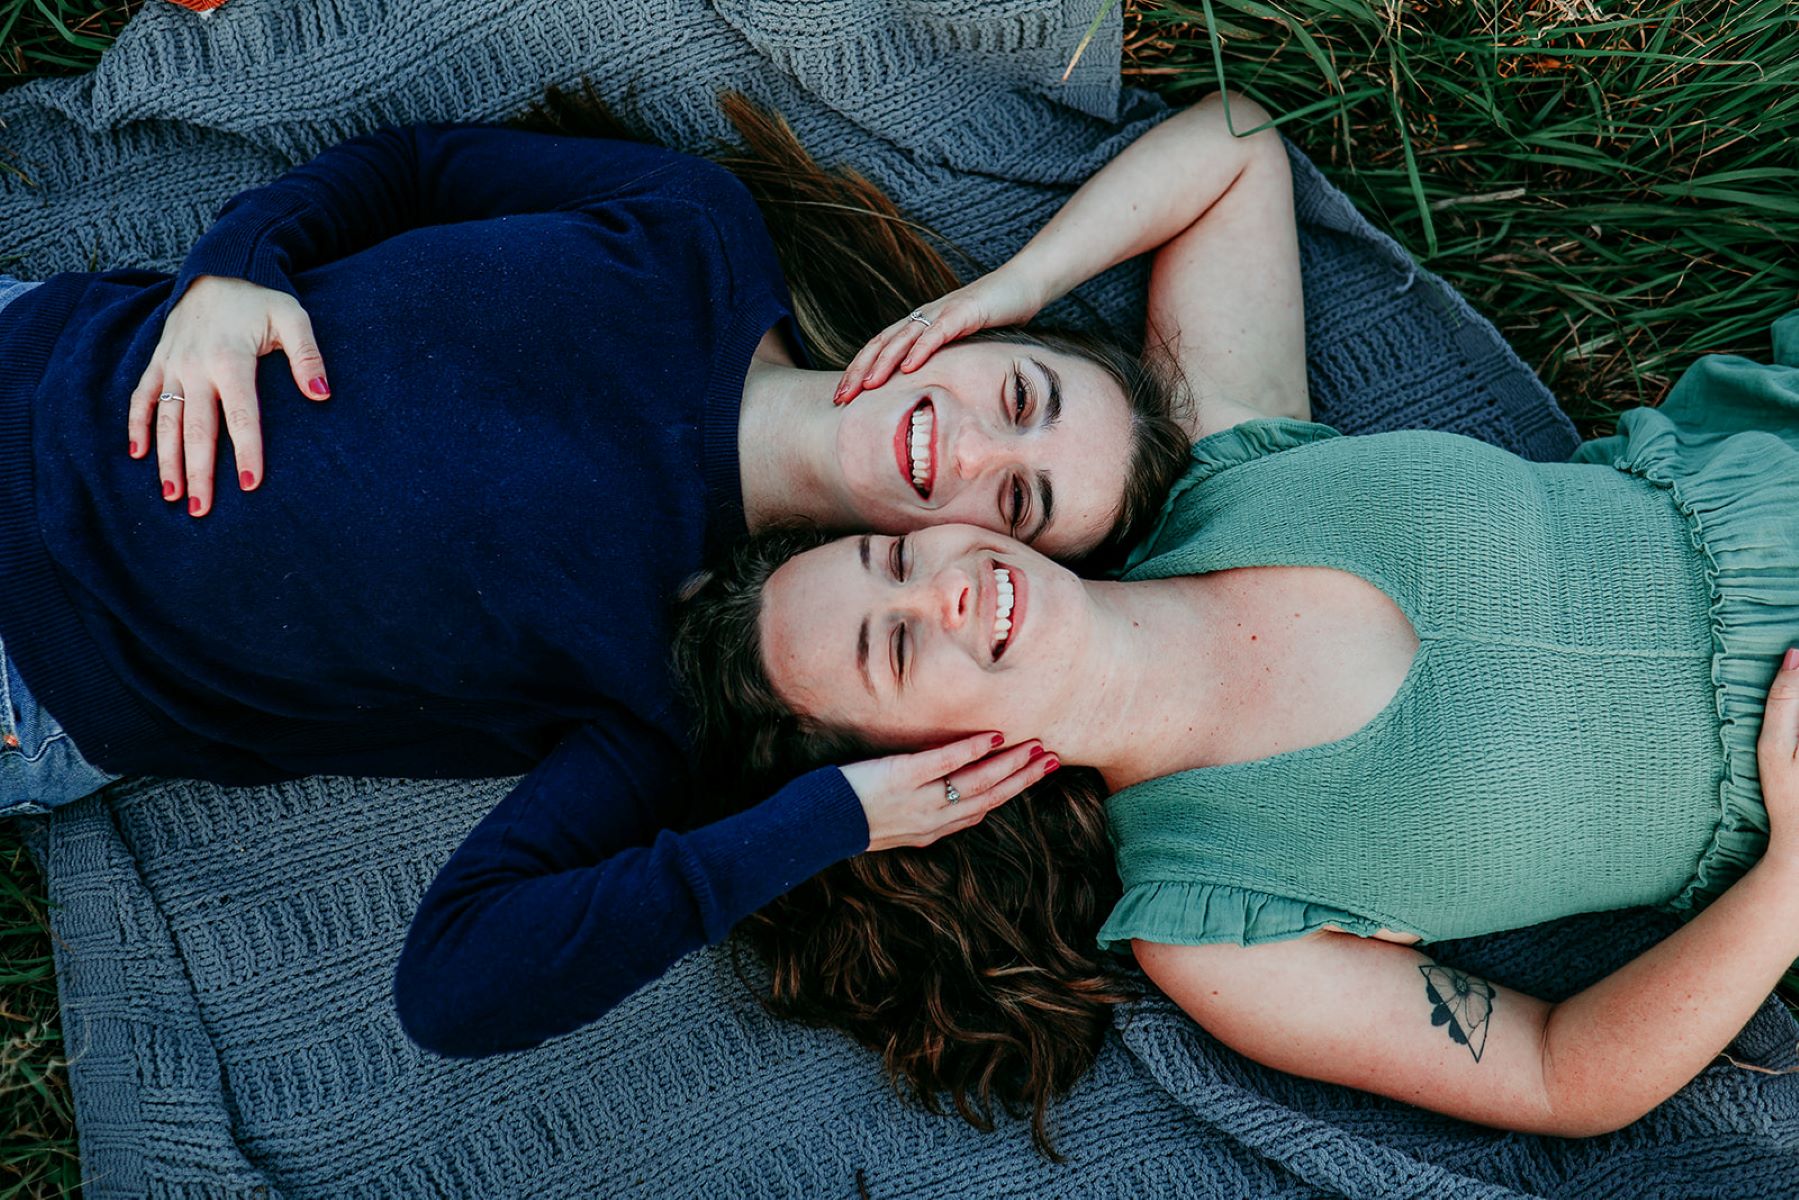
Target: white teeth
x=921, y=445
x=1002, y=611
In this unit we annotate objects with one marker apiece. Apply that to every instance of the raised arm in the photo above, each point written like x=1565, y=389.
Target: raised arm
x=1387, y=1019
x=572, y=894
x=1224, y=292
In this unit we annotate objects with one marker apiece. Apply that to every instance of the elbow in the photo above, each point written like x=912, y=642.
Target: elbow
x=432, y=1017
x=1577, y=1101
x=1589, y=1120
x=445, y=1007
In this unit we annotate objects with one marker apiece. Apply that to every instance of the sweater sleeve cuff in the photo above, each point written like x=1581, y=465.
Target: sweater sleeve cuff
x=240, y=246
x=752, y=858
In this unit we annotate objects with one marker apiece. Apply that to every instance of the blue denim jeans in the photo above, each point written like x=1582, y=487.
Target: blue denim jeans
x=39, y=766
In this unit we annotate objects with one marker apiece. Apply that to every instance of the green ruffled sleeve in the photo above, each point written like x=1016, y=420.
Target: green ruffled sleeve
x=1200, y=914
x=1220, y=452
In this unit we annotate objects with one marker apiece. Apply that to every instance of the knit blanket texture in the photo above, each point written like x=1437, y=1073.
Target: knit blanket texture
x=224, y=955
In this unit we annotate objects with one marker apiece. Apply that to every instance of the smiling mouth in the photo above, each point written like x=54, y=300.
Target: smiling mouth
x=914, y=447
x=1007, y=582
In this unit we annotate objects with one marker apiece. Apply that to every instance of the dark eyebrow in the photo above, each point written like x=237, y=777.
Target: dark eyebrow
x=1046, y=505
x=1052, y=410
x=862, y=635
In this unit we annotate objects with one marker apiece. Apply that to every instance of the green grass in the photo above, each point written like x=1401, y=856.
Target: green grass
x=1618, y=192
x=37, y=1120
x=1614, y=186
x=56, y=37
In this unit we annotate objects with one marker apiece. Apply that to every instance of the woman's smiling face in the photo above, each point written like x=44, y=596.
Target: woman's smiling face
x=1019, y=439
x=912, y=640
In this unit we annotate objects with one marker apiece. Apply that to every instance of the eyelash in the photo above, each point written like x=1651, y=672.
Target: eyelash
x=897, y=563
x=1021, y=397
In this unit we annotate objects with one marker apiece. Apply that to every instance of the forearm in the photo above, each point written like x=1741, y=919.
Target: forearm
x=1622, y=1046
x=1149, y=195
x=539, y=925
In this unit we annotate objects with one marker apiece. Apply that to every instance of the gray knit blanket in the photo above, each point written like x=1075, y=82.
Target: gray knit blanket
x=224, y=955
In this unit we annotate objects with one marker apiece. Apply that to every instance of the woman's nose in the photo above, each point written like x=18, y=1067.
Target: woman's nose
x=976, y=450
x=947, y=598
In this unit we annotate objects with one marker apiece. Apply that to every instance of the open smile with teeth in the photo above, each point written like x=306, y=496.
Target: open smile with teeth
x=1002, y=610
x=920, y=452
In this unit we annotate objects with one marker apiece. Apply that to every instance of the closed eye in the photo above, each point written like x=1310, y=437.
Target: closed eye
x=1020, y=396
x=896, y=559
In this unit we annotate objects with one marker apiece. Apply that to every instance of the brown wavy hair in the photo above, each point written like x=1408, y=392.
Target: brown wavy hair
x=971, y=965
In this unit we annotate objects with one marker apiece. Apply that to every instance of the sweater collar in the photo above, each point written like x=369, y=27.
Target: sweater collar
x=725, y=521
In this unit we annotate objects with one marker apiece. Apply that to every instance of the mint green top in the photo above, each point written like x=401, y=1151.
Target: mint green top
x=1577, y=731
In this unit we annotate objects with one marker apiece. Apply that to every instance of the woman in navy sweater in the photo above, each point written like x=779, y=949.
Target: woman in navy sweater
x=561, y=371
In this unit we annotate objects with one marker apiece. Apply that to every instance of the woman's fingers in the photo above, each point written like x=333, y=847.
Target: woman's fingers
x=1778, y=746
x=143, y=409
x=243, y=419
x=856, y=373
x=170, y=466
x=294, y=336
x=199, y=445
x=897, y=344
x=926, y=345
x=984, y=773
x=1033, y=770
x=936, y=764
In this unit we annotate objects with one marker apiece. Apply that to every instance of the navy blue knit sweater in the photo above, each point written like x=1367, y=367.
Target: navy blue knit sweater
x=461, y=564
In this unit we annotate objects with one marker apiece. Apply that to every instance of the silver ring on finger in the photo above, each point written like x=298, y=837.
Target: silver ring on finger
x=918, y=315
x=950, y=793
x=171, y=398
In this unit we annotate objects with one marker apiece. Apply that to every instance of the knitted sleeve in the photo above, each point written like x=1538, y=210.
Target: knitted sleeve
x=399, y=178
x=570, y=895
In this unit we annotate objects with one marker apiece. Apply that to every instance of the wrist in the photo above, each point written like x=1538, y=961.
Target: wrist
x=1780, y=861
x=1026, y=277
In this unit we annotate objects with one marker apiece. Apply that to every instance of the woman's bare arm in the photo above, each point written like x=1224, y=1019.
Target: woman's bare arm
x=1224, y=293
x=1387, y=1019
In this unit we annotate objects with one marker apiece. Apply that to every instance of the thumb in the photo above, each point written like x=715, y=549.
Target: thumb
x=1780, y=723
x=294, y=335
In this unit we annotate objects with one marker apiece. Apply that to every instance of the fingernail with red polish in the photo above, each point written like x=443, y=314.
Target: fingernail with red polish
x=246, y=480
x=1051, y=765
x=999, y=739
x=134, y=449
x=168, y=489
x=320, y=387
x=193, y=506
x=1037, y=752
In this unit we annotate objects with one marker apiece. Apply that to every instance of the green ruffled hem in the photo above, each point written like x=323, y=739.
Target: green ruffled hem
x=1725, y=446
x=1219, y=452
x=1200, y=914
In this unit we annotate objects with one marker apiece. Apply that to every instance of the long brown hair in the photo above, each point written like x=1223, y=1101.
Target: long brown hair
x=970, y=965
x=854, y=263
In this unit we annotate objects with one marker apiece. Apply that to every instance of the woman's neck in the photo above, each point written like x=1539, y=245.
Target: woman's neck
x=1159, y=683
x=786, y=448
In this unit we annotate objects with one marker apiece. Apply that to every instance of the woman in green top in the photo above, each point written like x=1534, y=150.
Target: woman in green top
x=1352, y=694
